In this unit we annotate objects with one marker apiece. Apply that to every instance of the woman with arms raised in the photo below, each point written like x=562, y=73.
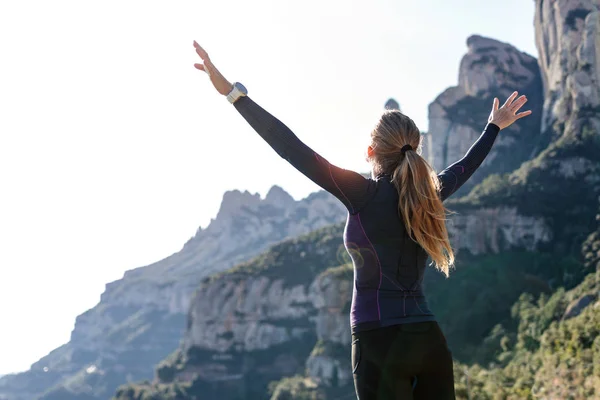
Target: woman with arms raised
x=396, y=219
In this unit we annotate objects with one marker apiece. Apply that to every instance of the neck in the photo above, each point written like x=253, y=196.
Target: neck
x=375, y=174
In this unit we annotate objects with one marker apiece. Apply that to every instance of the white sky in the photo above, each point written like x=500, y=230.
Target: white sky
x=114, y=149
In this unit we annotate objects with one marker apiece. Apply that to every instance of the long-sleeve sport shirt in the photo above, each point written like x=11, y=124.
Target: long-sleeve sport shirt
x=388, y=264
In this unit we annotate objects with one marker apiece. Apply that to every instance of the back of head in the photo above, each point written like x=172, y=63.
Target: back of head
x=418, y=186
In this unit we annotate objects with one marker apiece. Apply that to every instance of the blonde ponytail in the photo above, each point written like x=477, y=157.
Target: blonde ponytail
x=419, y=205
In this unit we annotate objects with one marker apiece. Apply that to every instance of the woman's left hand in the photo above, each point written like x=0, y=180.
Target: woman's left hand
x=218, y=80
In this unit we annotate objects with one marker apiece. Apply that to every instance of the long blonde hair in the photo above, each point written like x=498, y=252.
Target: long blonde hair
x=418, y=186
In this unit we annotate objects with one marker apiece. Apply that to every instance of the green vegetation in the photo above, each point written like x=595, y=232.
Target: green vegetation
x=548, y=357
x=560, y=185
x=301, y=387
x=145, y=391
x=296, y=261
x=250, y=373
x=344, y=271
x=331, y=349
x=554, y=351
x=482, y=290
x=296, y=388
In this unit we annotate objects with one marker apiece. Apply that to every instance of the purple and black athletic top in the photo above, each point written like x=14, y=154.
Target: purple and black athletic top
x=388, y=264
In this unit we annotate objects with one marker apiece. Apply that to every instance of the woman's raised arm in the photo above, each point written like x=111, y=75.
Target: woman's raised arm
x=455, y=175
x=351, y=188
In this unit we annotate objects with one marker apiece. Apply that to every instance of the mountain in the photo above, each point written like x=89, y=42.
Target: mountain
x=256, y=305
x=551, y=347
x=561, y=183
x=141, y=318
x=458, y=115
x=278, y=324
x=256, y=323
x=526, y=235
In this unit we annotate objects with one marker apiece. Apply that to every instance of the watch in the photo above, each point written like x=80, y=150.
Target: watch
x=238, y=91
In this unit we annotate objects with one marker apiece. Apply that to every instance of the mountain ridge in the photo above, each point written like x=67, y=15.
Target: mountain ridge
x=553, y=196
x=143, y=315
x=513, y=210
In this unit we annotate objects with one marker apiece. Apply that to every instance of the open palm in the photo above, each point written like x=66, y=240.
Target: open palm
x=222, y=85
x=507, y=114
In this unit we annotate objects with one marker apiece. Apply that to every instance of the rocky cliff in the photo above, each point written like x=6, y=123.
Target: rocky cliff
x=458, y=115
x=283, y=318
x=141, y=318
x=567, y=38
x=256, y=322
x=562, y=182
x=280, y=316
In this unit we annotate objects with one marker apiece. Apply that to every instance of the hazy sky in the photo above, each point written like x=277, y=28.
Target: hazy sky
x=114, y=149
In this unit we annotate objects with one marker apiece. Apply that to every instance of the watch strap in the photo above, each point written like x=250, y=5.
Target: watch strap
x=235, y=93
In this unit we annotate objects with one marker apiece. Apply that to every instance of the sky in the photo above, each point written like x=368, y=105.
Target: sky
x=114, y=149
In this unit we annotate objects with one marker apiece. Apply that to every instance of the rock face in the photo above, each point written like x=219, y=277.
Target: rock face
x=495, y=229
x=561, y=183
x=568, y=40
x=392, y=104
x=576, y=307
x=331, y=294
x=458, y=115
x=236, y=327
x=591, y=248
x=255, y=302
x=141, y=318
x=255, y=323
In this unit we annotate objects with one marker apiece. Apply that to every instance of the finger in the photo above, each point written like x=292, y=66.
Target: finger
x=510, y=99
x=203, y=55
x=201, y=52
x=518, y=103
x=202, y=67
x=496, y=104
x=523, y=114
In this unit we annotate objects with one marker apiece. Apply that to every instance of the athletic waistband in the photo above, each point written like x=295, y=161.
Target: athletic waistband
x=369, y=325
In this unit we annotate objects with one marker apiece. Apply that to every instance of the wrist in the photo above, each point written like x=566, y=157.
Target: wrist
x=228, y=89
x=497, y=123
x=237, y=90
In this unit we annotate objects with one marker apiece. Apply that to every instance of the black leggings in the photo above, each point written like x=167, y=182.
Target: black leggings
x=406, y=361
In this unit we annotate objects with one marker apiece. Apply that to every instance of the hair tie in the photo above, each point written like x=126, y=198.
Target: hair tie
x=405, y=148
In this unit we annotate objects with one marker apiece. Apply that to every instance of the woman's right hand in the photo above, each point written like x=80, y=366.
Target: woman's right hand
x=218, y=80
x=507, y=114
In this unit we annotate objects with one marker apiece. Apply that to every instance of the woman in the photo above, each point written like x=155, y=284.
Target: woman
x=396, y=219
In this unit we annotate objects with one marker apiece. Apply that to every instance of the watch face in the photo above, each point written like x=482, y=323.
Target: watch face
x=241, y=88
